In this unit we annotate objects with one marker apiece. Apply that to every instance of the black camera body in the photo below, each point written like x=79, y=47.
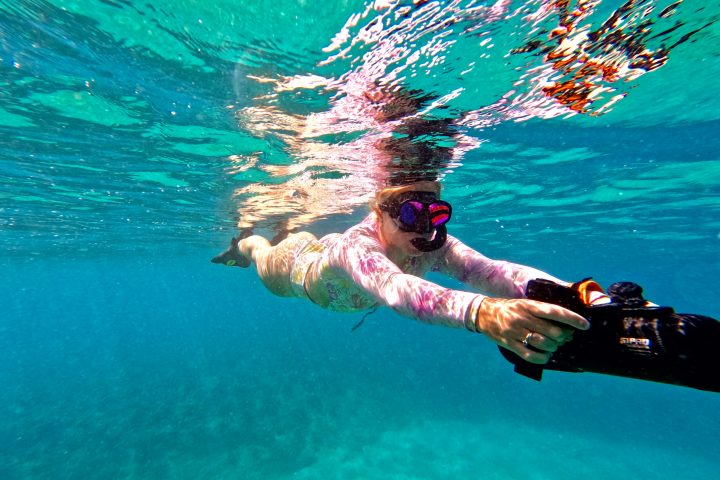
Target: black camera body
x=631, y=339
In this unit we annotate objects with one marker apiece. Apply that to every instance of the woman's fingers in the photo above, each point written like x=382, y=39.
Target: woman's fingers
x=555, y=322
x=539, y=341
x=528, y=354
x=535, y=348
x=558, y=314
x=551, y=330
x=548, y=327
x=531, y=329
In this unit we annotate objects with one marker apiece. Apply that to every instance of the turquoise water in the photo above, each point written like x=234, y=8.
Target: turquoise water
x=135, y=139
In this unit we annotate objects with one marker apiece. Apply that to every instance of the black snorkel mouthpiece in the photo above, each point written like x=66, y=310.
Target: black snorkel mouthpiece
x=437, y=241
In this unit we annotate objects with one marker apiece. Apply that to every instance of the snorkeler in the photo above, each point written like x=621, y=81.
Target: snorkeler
x=381, y=261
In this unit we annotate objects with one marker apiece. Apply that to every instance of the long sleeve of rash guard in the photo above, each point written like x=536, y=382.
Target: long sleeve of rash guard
x=361, y=256
x=364, y=259
x=496, y=277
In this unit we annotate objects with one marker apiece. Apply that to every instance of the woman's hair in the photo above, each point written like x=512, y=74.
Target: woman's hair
x=384, y=195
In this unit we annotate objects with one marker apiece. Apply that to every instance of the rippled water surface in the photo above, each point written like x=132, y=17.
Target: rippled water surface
x=136, y=137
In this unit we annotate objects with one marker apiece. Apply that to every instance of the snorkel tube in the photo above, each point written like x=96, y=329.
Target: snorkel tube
x=437, y=241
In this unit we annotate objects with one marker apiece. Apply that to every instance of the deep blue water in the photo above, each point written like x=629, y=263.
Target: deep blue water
x=126, y=149
x=162, y=367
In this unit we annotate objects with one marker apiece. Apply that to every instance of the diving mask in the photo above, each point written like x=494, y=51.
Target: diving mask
x=418, y=212
x=423, y=213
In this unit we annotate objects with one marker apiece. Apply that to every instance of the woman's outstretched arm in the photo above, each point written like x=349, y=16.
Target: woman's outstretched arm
x=496, y=277
x=506, y=321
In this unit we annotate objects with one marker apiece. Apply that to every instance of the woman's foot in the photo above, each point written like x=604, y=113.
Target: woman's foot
x=232, y=256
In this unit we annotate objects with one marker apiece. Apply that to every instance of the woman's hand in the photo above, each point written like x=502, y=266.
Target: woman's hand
x=529, y=328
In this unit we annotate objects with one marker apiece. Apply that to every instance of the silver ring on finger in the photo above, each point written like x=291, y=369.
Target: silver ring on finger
x=528, y=338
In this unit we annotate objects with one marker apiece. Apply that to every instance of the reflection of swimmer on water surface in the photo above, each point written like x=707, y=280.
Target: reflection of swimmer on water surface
x=327, y=179
x=340, y=153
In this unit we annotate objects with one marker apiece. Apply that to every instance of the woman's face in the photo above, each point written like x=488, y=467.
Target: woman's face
x=396, y=239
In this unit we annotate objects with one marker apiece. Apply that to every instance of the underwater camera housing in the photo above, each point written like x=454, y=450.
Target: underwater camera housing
x=627, y=338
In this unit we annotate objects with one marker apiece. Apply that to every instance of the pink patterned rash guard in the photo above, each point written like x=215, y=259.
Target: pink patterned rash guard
x=351, y=271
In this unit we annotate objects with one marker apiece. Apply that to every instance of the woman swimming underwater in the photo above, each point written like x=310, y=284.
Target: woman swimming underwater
x=381, y=261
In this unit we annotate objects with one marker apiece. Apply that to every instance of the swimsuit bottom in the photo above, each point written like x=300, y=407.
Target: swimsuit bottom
x=305, y=256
